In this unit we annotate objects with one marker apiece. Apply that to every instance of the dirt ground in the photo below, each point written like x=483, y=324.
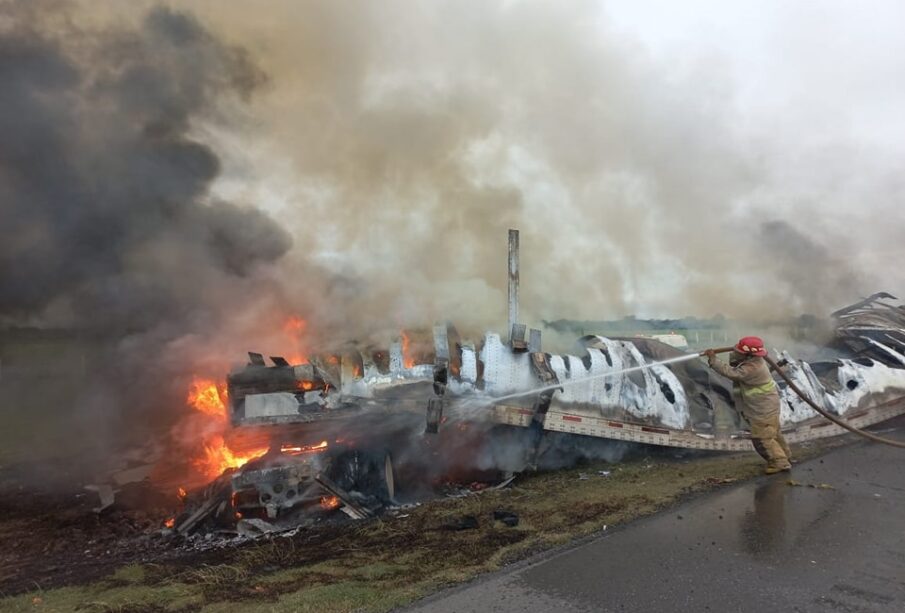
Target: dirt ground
x=58, y=555
x=52, y=536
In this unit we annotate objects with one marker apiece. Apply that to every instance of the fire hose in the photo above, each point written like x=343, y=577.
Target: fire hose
x=814, y=405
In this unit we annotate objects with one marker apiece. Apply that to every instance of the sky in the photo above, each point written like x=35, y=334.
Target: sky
x=826, y=73
x=791, y=58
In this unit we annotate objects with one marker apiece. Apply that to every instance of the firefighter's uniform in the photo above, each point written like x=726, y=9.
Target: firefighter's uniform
x=757, y=398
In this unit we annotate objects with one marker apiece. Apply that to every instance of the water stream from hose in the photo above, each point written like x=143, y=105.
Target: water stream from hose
x=615, y=373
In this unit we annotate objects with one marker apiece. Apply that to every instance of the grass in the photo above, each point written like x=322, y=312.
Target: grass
x=388, y=562
x=36, y=411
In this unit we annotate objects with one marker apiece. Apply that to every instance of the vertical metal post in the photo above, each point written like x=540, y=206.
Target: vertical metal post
x=513, y=280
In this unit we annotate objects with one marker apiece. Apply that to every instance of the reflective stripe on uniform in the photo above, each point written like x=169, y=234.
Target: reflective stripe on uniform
x=757, y=390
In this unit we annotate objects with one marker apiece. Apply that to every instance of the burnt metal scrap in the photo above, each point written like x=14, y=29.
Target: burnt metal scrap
x=871, y=327
x=290, y=488
x=294, y=394
x=871, y=334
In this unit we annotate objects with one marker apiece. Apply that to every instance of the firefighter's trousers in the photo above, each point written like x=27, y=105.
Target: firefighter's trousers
x=768, y=440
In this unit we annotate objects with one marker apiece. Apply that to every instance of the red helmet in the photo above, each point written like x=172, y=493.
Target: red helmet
x=751, y=345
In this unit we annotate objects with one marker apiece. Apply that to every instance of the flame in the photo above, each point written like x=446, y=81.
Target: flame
x=170, y=523
x=295, y=328
x=407, y=359
x=329, y=502
x=207, y=396
x=307, y=386
x=218, y=457
x=182, y=493
x=299, y=449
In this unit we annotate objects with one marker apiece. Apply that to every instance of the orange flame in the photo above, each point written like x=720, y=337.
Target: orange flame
x=207, y=396
x=295, y=327
x=182, y=493
x=299, y=449
x=329, y=502
x=170, y=522
x=407, y=359
x=218, y=457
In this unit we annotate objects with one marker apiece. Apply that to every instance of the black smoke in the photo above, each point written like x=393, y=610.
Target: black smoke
x=105, y=190
x=108, y=221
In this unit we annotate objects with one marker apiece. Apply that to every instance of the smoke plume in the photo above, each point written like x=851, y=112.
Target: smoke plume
x=109, y=223
x=403, y=139
x=185, y=178
x=107, y=209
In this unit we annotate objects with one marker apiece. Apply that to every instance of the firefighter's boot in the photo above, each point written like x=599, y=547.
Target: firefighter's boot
x=772, y=469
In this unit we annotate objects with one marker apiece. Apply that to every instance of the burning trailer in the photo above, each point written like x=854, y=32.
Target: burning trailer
x=364, y=429
x=333, y=428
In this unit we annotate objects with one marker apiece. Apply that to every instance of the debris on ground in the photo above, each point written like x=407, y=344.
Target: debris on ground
x=506, y=517
x=719, y=480
x=466, y=522
x=818, y=486
x=254, y=527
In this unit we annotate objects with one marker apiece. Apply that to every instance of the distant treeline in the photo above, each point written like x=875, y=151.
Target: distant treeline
x=631, y=324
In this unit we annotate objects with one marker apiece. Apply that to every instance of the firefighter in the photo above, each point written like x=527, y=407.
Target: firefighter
x=757, y=399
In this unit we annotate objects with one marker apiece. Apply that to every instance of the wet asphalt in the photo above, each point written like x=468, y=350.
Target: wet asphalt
x=763, y=545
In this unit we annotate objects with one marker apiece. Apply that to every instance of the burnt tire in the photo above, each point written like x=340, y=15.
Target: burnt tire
x=366, y=472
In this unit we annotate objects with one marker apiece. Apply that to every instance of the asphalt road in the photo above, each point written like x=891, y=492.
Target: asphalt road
x=760, y=546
